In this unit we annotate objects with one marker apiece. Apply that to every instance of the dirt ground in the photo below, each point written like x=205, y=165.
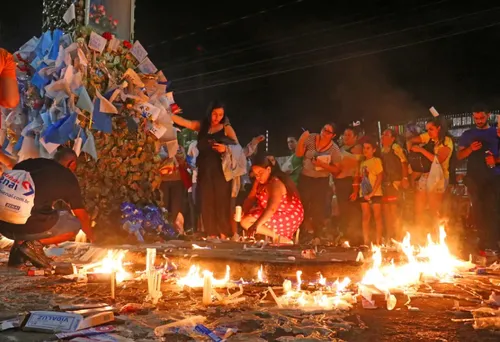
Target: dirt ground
x=255, y=320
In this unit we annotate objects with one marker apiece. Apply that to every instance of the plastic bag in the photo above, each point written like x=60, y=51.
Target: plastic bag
x=436, y=181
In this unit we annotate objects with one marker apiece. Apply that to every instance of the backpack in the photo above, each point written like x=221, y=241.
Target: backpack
x=420, y=163
x=17, y=196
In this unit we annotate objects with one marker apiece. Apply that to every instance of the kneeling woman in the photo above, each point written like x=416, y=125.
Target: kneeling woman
x=273, y=207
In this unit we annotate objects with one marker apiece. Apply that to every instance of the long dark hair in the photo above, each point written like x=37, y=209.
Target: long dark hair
x=263, y=160
x=205, y=123
x=440, y=123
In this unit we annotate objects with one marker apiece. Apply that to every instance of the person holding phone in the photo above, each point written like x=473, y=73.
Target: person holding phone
x=479, y=146
x=321, y=157
x=214, y=192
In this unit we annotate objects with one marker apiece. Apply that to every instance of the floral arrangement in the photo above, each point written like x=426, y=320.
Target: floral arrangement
x=104, y=98
x=99, y=19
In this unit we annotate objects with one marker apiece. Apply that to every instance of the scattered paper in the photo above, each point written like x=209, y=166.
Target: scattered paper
x=138, y=51
x=49, y=147
x=158, y=130
x=106, y=106
x=89, y=146
x=81, y=57
x=434, y=112
x=132, y=76
x=70, y=14
x=97, y=42
x=147, y=67
x=77, y=147
x=114, y=44
x=149, y=111
x=84, y=102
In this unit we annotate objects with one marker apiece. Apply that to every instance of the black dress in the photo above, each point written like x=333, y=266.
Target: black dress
x=213, y=189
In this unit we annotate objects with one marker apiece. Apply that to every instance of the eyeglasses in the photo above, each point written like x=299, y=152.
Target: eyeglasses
x=327, y=131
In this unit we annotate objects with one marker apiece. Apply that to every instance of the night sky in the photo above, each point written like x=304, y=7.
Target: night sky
x=372, y=59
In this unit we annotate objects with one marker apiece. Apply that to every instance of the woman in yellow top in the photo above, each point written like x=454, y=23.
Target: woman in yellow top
x=443, y=146
x=368, y=185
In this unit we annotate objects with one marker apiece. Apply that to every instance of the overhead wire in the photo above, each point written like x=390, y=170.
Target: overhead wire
x=330, y=46
x=225, y=23
x=298, y=36
x=339, y=59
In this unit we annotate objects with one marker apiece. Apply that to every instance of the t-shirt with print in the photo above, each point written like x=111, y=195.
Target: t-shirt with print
x=447, y=143
x=372, y=168
x=308, y=168
x=7, y=65
x=476, y=163
x=52, y=182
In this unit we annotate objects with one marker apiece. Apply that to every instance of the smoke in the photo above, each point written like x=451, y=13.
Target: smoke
x=365, y=90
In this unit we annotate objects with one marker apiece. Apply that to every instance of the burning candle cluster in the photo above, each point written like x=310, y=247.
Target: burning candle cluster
x=431, y=263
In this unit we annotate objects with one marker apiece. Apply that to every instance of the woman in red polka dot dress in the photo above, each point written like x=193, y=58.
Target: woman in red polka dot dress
x=273, y=207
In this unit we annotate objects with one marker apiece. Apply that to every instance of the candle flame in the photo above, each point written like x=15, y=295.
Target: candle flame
x=195, y=278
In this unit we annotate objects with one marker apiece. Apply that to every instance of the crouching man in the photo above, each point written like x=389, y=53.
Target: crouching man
x=49, y=222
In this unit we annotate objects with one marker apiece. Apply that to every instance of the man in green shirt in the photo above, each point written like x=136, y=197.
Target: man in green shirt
x=293, y=166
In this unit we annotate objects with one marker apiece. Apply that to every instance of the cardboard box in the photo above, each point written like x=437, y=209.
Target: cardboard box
x=52, y=321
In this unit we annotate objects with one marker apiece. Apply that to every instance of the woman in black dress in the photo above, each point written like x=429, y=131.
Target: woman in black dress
x=214, y=134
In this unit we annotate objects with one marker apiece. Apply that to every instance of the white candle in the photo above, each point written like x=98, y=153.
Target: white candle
x=150, y=259
x=207, y=288
x=237, y=213
x=113, y=284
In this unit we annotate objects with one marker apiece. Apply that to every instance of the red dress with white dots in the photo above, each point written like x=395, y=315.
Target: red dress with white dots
x=287, y=218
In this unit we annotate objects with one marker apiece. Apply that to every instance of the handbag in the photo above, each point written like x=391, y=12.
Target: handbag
x=419, y=162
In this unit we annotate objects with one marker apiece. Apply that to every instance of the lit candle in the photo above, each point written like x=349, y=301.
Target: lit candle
x=207, y=288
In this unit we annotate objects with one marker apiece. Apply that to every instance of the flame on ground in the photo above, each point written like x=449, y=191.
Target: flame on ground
x=194, y=278
x=260, y=275
x=113, y=263
x=434, y=262
x=81, y=237
x=329, y=297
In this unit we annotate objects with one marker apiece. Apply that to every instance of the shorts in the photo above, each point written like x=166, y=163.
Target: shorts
x=421, y=184
x=374, y=200
x=391, y=193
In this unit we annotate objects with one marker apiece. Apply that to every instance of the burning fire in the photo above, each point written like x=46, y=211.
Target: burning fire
x=327, y=297
x=81, y=237
x=195, y=278
x=432, y=262
x=113, y=263
x=260, y=275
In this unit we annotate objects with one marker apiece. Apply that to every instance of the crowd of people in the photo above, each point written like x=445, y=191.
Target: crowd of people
x=369, y=180
x=216, y=176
